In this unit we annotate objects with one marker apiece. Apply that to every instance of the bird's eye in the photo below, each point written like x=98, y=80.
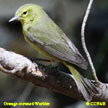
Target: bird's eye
x=24, y=13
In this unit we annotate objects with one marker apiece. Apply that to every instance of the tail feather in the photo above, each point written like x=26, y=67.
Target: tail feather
x=82, y=83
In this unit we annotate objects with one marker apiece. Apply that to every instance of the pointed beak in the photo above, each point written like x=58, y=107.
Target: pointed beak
x=14, y=18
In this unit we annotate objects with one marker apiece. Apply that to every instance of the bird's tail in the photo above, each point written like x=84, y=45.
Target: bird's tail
x=82, y=83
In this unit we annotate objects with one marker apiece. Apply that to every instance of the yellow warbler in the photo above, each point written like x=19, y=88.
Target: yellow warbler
x=51, y=42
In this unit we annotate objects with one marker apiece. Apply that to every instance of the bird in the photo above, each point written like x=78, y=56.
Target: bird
x=52, y=44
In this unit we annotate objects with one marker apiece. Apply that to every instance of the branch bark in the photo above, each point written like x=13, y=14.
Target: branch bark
x=48, y=77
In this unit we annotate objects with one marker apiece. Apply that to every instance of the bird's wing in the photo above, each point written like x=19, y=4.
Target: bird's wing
x=52, y=39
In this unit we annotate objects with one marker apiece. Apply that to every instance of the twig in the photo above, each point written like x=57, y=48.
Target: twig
x=83, y=40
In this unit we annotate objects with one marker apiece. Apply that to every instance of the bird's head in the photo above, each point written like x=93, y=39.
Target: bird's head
x=26, y=13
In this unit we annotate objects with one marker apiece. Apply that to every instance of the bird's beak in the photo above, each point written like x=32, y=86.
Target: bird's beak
x=14, y=18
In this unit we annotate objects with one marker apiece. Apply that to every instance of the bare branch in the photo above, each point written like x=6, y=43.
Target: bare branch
x=48, y=77
x=83, y=40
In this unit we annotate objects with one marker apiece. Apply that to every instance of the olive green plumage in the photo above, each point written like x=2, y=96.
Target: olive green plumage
x=51, y=42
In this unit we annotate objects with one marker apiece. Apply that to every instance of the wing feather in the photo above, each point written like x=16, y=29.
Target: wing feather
x=51, y=38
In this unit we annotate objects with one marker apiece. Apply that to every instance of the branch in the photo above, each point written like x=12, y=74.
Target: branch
x=48, y=77
x=83, y=40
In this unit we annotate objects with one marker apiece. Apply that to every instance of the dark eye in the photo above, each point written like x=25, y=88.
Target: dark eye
x=24, y=13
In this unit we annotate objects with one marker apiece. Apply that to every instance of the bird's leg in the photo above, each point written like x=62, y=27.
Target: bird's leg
x=39, y=59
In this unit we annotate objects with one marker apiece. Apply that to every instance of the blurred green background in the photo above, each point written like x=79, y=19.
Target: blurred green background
x=68, y=14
